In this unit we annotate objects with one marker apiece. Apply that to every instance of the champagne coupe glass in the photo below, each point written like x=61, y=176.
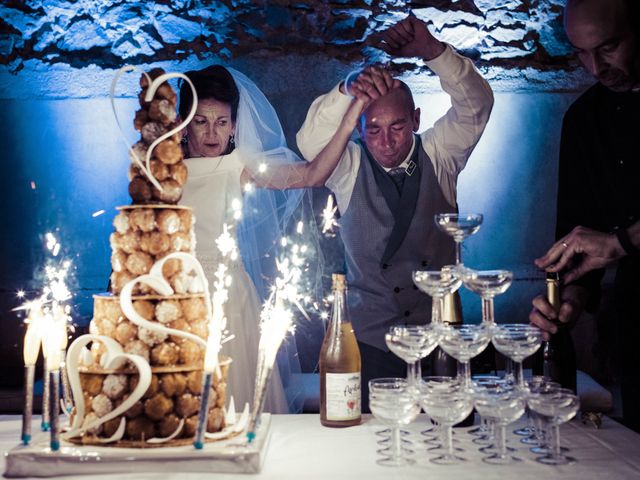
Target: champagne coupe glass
x=543, y=432
x=412, y=343
x=426, y=385
x=557, y=407
x=459, y=226
x=517, y=341
x=463, y=342
x=501, y=407
x=393, y=402
x=536, y=384
x=484, y=431
x=437, y=284
x=447, y=406
x=488, y=284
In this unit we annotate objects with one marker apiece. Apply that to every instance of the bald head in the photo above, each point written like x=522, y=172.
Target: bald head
x=387, y=126
x=606, y=40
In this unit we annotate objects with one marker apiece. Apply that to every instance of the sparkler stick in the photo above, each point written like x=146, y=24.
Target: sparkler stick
x=226, y=245
x=46, y=412
x=32, y=342
x=216, y=324
x=277, y=322
x=198, y=443
x=55, y=328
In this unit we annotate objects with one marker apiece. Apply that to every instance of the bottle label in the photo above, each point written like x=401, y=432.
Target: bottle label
x=343, y=396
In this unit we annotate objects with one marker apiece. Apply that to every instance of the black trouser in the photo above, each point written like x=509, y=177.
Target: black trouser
x=627, y=292
x=377, y=363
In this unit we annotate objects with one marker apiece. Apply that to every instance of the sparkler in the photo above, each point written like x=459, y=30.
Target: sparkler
x=47, y=325
x=45, y=423
x=276, y=319
x=32, y=340
x=217, y=321
x=55, y=329
x=328, y=217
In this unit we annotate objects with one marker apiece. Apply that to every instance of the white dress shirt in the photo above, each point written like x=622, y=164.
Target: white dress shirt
x=449, y=142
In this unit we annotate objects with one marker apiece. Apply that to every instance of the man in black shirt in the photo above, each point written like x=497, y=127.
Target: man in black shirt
x=598, y=212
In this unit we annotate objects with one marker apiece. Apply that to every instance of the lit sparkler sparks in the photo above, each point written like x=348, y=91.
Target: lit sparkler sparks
x=48, y=317
x=236, y=207
x=328, y=217
x=276, y=319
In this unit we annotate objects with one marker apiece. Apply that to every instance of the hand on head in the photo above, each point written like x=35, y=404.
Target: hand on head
x=372, y=83
x=579, y=252
x=408, y=38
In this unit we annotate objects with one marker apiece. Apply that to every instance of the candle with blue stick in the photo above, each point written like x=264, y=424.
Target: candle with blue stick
x=54, y=329
x=32, y=340
x=211, y=363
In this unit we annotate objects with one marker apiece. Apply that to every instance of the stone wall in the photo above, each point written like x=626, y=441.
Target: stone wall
x=519, y=44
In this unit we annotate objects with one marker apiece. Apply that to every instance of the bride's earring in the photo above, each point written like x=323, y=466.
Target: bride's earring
x=184, y=140
x=232, y=140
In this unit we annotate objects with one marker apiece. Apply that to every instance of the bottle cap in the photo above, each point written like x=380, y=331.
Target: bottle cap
x=339, y=281
x=553, y=276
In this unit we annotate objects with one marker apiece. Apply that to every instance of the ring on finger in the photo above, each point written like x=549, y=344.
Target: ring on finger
x=564, y=244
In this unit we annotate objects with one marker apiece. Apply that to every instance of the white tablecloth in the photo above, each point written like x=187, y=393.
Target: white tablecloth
x=300, y=448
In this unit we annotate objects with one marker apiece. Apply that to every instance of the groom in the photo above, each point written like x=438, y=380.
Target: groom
x=391, y=183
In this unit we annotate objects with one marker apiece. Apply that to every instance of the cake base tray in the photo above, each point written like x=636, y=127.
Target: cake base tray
x=227, y=456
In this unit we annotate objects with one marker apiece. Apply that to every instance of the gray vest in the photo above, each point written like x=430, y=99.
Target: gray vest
x=383, y=294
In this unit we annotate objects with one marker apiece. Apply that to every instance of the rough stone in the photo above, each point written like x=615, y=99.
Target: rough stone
x=83, y=35
x=174, y=29
x=6, y=44
x=508, y=35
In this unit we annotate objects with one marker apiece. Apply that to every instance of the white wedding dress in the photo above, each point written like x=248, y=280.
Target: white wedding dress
x=213, y=190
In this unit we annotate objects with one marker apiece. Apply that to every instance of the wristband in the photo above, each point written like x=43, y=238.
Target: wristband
x=625, y=242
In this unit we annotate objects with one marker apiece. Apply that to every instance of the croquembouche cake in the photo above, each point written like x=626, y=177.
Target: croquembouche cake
x=137, y=378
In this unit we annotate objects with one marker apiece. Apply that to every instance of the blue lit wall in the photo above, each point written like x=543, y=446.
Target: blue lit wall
x=56, y=65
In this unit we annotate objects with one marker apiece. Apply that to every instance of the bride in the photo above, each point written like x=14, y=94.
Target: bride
x=233, y=143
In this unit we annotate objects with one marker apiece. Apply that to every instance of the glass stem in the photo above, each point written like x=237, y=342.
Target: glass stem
x=437, y=305
x=556, y=441
x=541, y=432
x=411, y=373
x=520, y=376
x=447, y=441
x=464, y=374
x=501, y=440
x=395, y=443
x=508, y=370
x=487, y=310
x=458, y=253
